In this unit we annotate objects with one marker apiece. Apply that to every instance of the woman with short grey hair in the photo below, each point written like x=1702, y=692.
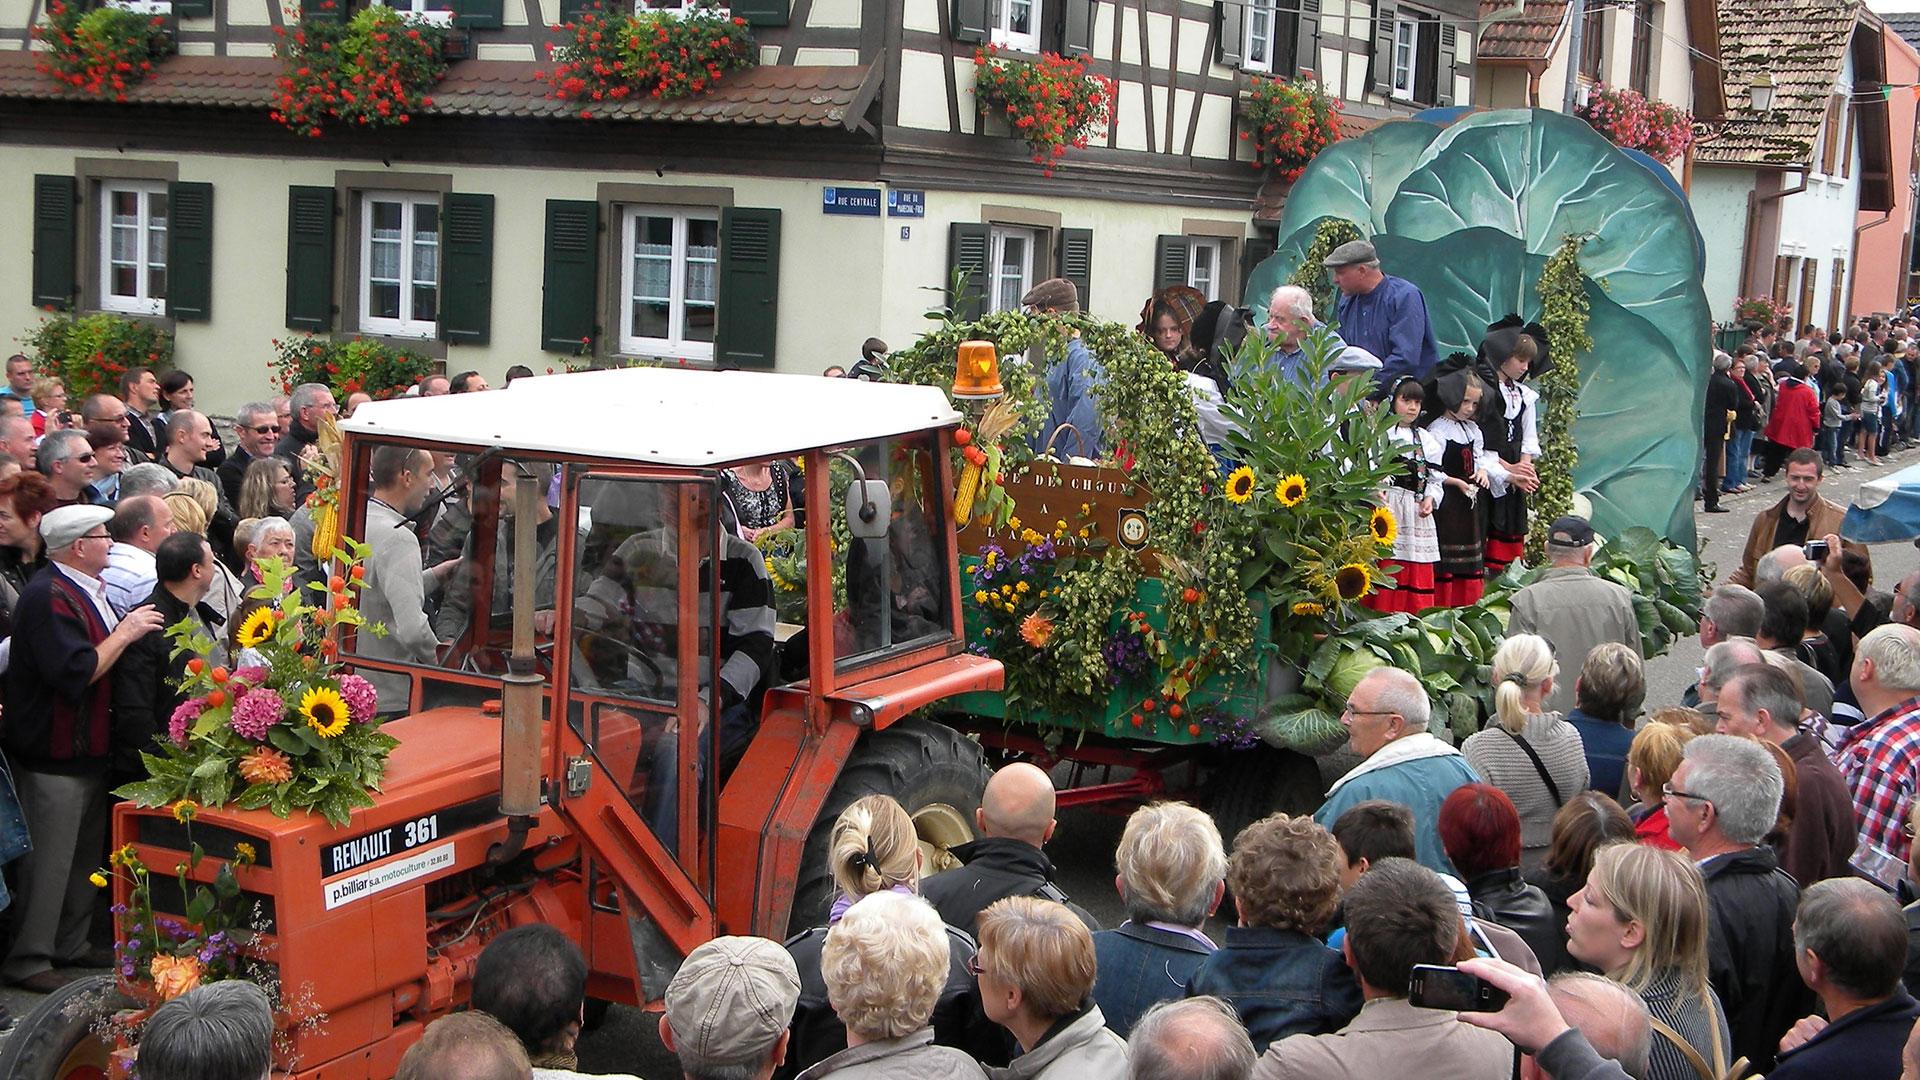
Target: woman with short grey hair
x=220, y=1031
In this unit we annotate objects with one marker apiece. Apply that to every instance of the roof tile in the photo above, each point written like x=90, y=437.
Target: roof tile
x=1801, y=44
x=1528, y=36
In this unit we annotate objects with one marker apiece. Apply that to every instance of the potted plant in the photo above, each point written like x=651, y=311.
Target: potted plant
x=1051, y=102
x=1632, y=122
x=352, y=366
x=89, y=353
x=373, y=69
x=1754, y=312
x=610, y=55
x=101, y=51
x=1288, y=121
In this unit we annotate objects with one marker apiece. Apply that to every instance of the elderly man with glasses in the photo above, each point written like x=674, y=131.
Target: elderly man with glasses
x=256, y=428
x=1721, y=803
x=1386, y=718
x=58, y=737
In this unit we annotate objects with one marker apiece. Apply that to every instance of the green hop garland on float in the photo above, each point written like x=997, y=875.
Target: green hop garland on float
x=1564, y=311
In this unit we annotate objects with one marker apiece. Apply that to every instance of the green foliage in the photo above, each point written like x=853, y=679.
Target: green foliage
x=348, y=366
x=89, y=353
x=101, y=51
x=169, y=954
x=1288, y=121
x=1564, y=312
x=372, y=69
x=1312, y=276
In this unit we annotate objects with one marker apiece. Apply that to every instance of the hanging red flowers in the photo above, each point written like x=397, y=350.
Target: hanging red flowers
x=372, y=69
x=1288, y=122
x=1051, y=102
x=1632, y=121
x=614, y=55
x=102, y=51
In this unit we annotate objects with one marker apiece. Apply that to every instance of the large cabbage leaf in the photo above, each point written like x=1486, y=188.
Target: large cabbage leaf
x=1470, y=214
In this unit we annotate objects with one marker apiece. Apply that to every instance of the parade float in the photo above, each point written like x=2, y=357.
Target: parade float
x=1191, y=615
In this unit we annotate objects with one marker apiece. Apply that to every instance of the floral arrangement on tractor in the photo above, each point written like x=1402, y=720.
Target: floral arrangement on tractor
x=610, y=54
x=101, y=51
x=1632, y=121
x=349, y=366
x=373, y=69
x=283, y=728
x=1288, y=121
x=174, y=955
x=1051, y=102
x=89, y=353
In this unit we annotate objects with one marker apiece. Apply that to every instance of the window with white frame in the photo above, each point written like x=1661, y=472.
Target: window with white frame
x=439, y=12
x=1203, y=267
x=400, y=264
x=669, y=282
x=133, y=246
x=1016, y=25
x=1262, y=25
x=1406, y=57
x=1010, y=265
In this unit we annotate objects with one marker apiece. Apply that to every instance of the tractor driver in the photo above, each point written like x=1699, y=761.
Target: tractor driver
x=454, y=616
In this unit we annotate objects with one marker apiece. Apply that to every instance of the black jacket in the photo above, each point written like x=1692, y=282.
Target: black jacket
x=151, y=443
x=231, y=472
x=1722, y=398
x=146, y=683
x=1865, y=1044
x=1504, y=897
x=996, y=868
x=1751, y=904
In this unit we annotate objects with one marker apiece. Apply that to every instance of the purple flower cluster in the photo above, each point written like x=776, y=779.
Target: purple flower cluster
x=255, y=714
x=1126, y=657
x=1229, y=729
x=362, y=703
x=184, y=714
x=1042, y=552
x=993, y=560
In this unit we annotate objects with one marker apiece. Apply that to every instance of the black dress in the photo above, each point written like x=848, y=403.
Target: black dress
x=1504, y=517
x=759, y=509
x=1460, y=575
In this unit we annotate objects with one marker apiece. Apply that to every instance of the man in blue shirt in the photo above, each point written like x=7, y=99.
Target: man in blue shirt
x=1069, y=380
x=1382, y=314
x=1289, y=321
x=20, y=383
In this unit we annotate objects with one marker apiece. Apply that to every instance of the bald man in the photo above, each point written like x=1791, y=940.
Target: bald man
x=1015, y=821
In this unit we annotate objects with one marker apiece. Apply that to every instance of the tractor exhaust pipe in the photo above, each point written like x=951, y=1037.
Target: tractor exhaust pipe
x=520, y=686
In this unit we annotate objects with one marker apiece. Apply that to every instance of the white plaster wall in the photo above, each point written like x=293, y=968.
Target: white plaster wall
x=1193, y=46
x=828, y=57
x=1216, y=136
x=1818, y=223
x=1130, y=131
x=1719, y=199
x=835, y=14
x=921, y=15
x=923, y=90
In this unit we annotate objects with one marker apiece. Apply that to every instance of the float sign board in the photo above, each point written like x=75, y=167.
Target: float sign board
x=1104, y=501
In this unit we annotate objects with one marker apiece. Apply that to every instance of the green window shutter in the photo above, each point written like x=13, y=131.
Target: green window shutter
x=1230, y=23
x=567, y=279
x=1170, y=261
x=570, y=10
x=749, y=288
x=190, y=251
x=322, y=10
x=1444, y=70
x=310, y=258
x=1076, y=261
x=970, y=21
x=479, y=14
x=1077, y=26
x=193, y=9
x=55, y=198
x=1380, y=73
x=466, y=268
x=968, y=246
x=1306, y=53
x=761, y=12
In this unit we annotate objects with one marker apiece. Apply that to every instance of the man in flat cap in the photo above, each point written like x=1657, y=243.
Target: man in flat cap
x=1381, y=313
x=57, y=735
x=1069, y=379
x=1573, y=607
x=729, y=1007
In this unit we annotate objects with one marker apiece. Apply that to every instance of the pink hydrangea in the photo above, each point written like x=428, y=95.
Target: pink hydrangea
x=253, y=675
x=183, y=717
x=362, y=702
x=255, y=714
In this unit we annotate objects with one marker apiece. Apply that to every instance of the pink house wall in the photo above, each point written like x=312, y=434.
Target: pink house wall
x=1884, y=243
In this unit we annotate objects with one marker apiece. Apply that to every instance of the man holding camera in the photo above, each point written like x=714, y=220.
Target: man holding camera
x=1802, y=516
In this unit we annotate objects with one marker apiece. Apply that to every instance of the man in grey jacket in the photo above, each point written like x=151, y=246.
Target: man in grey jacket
x=397, y=583
x=1573, y=607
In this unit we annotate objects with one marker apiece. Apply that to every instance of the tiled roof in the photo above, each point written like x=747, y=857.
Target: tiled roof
x=783, y=95
x=1801, y=44
x=1527, y=36
x=1906, y=24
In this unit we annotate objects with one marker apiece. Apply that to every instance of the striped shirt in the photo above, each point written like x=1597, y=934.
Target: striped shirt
x=1495, y=755
x=747, y=621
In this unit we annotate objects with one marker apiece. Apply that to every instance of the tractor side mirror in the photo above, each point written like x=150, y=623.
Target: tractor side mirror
x=869, y=509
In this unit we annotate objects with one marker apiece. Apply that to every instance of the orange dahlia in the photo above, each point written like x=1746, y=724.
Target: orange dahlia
x=1036, y=630
x=265, y=765
x=174, y=975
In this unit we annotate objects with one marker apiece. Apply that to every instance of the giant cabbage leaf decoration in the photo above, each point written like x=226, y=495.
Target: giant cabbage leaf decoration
x=1471, y=213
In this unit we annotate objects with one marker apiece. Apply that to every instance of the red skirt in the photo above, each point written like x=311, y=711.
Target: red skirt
x=1459, y=591
x=1412, y=589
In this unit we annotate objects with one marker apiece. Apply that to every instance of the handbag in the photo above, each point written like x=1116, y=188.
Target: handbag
x=1539, y=766
x=1720, y=1070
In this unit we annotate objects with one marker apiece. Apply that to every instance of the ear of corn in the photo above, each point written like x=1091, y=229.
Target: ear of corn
x=326, y=531
x=963, y=497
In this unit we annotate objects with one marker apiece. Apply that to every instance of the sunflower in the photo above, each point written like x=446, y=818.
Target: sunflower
x=1291, y=490
x=1309, y=608
x=1353, y=581
x=325, y=711
x=184, y=810
x=257, y=628
x=1240, y=485
x=1385, y=527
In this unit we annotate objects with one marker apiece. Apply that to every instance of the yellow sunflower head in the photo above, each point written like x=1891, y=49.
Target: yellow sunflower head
x=1291, y=490
x=324, y=710
x=184, y=810
x=1385, y=527
x=1240, y=485
x=1309, y=608
x=257, y=628
x=1352, y=581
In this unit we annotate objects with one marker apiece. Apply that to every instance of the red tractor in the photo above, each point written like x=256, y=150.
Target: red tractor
x=564, y=759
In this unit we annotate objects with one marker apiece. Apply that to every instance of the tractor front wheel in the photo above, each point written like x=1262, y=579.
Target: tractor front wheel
x=62, y=1038
x=1259, y=780
x=933, y=771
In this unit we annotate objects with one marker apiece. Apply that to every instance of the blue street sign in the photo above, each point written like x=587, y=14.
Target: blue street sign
x=854, y=202
x=905, y=202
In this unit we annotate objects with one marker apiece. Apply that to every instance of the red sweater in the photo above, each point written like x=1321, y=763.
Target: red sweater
x=1652, y=830
x=1796, y=415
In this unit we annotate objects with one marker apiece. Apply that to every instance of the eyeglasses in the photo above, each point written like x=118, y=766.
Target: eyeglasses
x=96, y=536
x=1667, y=792
x=1351, y=711
x=83, y=457
x=265, y=429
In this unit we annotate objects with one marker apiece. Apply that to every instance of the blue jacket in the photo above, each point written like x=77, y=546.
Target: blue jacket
x=1606, y=744
x=1421, y=786
x=1069, y=384
x=1139, y=966
x=1863, y=1045
x=1391, y=323
x=1281, y=982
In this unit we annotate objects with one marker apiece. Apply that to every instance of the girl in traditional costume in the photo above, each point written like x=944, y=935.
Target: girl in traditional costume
x=1510, y=431
x=1412, y=496
x=1460, y=571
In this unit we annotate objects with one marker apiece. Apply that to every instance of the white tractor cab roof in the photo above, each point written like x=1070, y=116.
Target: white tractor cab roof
x=664, y=416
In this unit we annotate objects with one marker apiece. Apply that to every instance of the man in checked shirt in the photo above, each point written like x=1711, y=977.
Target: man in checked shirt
x=1881, y=757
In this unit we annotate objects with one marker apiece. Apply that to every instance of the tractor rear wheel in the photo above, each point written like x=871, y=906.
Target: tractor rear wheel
x=1249, y=784
x=933, y=771
x=58, y=1040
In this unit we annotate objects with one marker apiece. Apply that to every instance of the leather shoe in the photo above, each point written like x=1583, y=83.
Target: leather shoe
x=96, y=957
x=1718, y=510
x=45, y=982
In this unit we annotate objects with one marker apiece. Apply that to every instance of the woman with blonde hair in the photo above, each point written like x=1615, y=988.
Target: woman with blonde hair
x=188, y=503
x=1035, y=972
x=873, y=849
x=1651, y=763
x=1533, y=755
x=266, y=489
x=1642, y=920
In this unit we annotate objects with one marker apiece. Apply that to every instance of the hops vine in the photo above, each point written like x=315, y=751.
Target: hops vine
x=1564, y=308
x=1313, y=277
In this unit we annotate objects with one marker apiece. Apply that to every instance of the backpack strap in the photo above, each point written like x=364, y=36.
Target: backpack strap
x=1686, y=1049
x=1539, y=766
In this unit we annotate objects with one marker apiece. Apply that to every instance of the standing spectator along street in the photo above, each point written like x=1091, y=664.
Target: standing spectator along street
x=1171, y=873
x=66, y=459
x=255, y=430
x=1849, y=939
x=1800, y=516
x=1014, y=822
x=1383, y=314
x=1607, y=698
x=308, y=406
x=138, y=526
x=1572, y=606
x=1759, y=702
x=465, y=1046
x=1482, y=835
x=1196, y=1038
x=1881, y=756
x=1035, y=970
x=140, y=391
x=146, y=681
x=728, y=1007
x=1530, y=752
x=396, y=587
x=220, y=1031
x=533, y=979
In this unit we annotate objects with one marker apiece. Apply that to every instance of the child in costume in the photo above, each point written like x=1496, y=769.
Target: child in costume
x=1412, y=496
x=1459, y=574
x=1509, y=429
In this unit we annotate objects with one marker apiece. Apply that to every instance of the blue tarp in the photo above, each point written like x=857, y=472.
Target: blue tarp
x=1886, y=509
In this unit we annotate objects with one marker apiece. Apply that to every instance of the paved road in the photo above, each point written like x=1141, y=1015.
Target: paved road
x=628, y=1041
